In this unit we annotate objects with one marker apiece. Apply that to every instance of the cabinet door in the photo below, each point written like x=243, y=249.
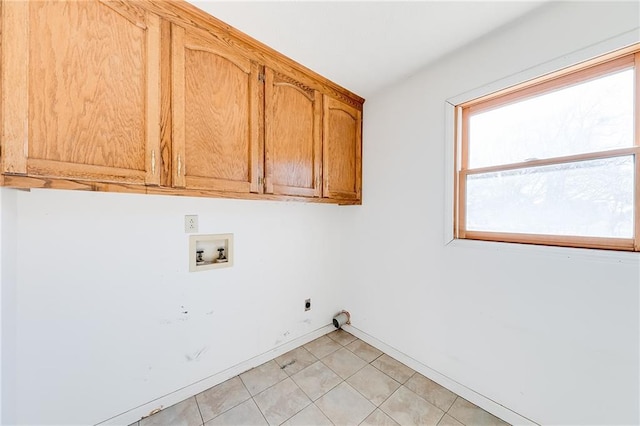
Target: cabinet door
x=217, y=100
x=293, y=144
x=342, y=150
x=81, y=91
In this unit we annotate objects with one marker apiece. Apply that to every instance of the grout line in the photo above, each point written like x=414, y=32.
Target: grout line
x=269, y=387
x=230, y=408
x=199, y=411
x=303, y=408
x=454, y=417
x=251, y=396
x=259, y=410
x=325, y=414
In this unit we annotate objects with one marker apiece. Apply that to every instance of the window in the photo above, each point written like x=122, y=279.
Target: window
x=554, y=161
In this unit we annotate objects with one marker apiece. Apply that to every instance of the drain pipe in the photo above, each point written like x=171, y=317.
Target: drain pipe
x=341, y=319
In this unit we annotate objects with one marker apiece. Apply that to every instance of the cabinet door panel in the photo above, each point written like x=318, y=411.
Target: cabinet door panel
x=91, y=87
x=216, y=113
x=342, y=146
x=293, y=136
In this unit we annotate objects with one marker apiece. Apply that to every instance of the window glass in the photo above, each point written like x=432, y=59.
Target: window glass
x=587, y=198
x=595, y=115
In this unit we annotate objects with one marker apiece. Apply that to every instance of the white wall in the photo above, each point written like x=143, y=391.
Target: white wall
x=109, y=318
x=552, y=334
x=8, y=291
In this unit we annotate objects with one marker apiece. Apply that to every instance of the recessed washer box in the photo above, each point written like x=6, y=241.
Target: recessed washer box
x=210, y=251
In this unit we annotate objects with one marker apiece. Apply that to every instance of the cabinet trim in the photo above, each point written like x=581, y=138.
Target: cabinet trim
x=243, y=63
x=127, y=10
x=15, y=86
x=256, y=136
x=36, y=167
x=27, y=182
x=318, y=131
x=178, y=104
x=153, y=100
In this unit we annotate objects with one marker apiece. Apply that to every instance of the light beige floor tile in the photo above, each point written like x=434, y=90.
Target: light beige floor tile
x=342, y=337
x=344, y=362
x=316, y=380
x=345, y=406
x=221, y=398
x=281, y=401
x=309, y=416
x=431, y=391
x=373, y=384
x=364, y=350
x=447, y=420
x=184, y=413
x=472, y=415
x=407, y=408
x=379, y=418
x=322, y=346
x=258, y=379
x=245, y=414
x=395, y=369
x=283, y=390
x=296, y=360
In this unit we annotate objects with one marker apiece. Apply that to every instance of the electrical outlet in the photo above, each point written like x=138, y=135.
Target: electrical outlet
x=191, y=223
x=307, y=305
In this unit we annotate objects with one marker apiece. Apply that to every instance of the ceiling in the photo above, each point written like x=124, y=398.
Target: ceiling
x=366, y=45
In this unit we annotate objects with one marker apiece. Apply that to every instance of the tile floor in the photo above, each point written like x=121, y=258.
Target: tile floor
x=336, y=379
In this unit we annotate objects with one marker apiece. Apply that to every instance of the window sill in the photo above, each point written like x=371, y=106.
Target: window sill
x=601, y=255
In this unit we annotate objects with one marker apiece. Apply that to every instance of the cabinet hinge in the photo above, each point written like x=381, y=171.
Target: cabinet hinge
x=261, y=77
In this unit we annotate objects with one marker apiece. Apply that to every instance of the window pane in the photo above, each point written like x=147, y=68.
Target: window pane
x=588, y=198
x=596, y=115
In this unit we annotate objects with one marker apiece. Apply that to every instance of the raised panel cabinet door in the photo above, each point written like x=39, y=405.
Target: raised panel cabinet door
x=342, y=150
x=81, y=91
x=216, y=105
x=293, y=144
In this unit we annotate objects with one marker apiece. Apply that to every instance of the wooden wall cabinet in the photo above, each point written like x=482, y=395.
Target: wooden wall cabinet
x=159, y=97
x=81, y=91
x=342, y=158
x=217, y=108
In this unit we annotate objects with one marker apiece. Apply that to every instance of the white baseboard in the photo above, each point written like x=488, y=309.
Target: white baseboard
x=470, y=395
x=172, y=398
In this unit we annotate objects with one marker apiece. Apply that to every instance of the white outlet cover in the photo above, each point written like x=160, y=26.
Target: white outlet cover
x=191, y=223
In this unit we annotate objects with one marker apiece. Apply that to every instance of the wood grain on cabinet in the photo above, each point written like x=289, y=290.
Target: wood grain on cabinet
x=342, y=146
x=159, y=97
x=81, y=91
x=293, y=144
x=216, y=114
